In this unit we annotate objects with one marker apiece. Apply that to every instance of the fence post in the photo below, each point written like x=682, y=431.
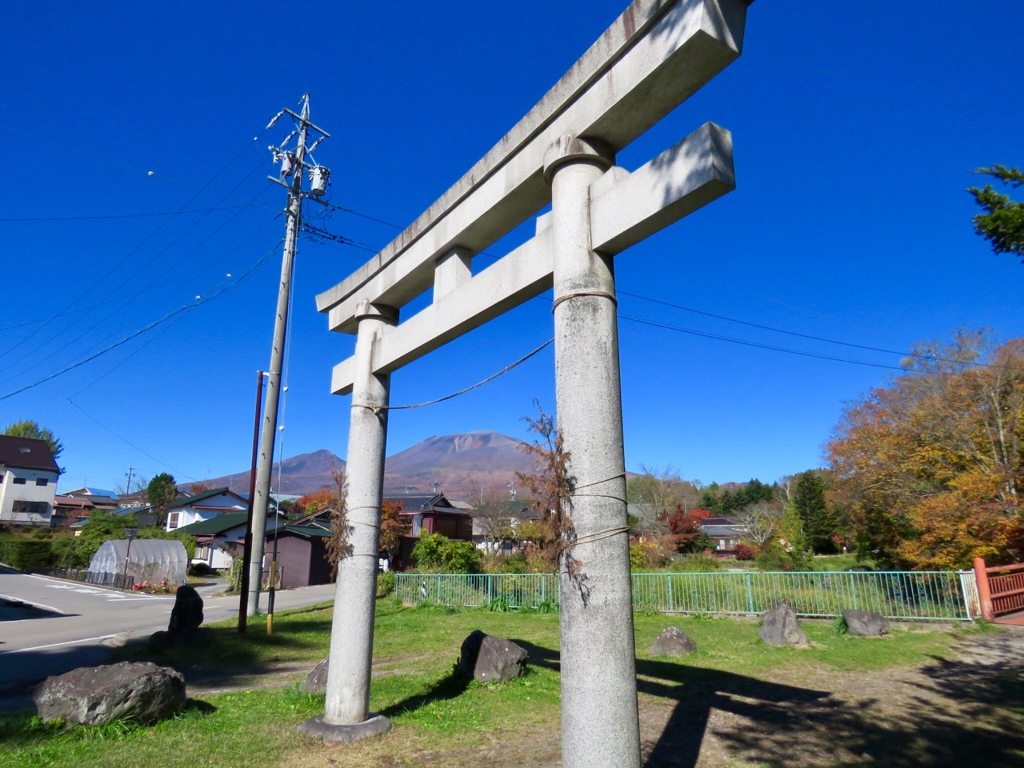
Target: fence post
x=853, y=590
x=750, y=594
x=490, y=588
x=984, y=595
x=671, y=606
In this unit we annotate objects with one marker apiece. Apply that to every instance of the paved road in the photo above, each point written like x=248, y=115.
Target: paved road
x=82, y=623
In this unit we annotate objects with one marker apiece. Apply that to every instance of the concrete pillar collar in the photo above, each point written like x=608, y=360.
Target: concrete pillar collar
x=570, y=149
x=379, y=311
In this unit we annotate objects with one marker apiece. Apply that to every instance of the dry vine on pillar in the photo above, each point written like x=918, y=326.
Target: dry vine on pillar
x=338, y=546
x=552, y=487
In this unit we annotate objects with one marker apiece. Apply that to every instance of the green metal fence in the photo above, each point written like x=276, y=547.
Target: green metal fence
x=930, y=595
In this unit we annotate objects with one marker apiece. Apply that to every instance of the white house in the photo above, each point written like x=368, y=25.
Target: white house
x=28, y=481
x=204, y=506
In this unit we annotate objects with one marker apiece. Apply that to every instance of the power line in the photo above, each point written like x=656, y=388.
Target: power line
x=123, y=215
x=192, y=305
x=127, y=442
x=759, y=345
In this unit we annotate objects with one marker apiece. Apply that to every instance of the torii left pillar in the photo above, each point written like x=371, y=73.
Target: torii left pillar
x=347, y=717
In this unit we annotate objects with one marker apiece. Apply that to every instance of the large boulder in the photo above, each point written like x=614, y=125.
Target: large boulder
x=673, y=642
x=140, y=691
x=316, y=680
x=780, y=627
x=491, y=659
x=865, y=623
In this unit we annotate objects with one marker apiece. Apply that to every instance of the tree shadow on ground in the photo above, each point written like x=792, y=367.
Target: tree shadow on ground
x=964, y=714
x=450, y=686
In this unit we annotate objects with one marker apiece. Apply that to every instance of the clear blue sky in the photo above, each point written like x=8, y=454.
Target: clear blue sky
x=856, y=127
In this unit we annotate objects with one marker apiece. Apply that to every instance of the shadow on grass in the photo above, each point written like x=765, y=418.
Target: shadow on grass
x=450, y=686
x=23, y=729
x=967, y=714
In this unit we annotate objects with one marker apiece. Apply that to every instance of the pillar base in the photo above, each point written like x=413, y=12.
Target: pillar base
x=345, y=734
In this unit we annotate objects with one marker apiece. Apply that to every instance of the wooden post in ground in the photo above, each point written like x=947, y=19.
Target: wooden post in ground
x=984, y=594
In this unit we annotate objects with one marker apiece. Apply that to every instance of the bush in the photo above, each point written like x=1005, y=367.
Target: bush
x=22, y=553
x=775, y=558
x=744, y=552
x=385, y=583
x=695, y=564
x=200, y=570
x=439, y=553
x=514, y=563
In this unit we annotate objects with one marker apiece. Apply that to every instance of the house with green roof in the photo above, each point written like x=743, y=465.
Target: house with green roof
x=204, y=506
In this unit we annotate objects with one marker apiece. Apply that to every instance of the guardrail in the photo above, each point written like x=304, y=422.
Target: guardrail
x=901, y=595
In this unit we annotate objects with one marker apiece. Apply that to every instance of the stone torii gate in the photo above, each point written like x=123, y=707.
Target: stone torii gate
x=657, y=54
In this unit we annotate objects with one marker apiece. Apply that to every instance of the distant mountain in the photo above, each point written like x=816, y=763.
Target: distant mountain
x=306, y=473
x=464, y=465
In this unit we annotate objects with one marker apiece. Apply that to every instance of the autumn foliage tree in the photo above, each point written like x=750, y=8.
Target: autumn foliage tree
x=929, y=467
x=686, y=529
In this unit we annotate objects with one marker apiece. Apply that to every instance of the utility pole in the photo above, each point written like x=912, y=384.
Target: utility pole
x=128, y=488
x=293, y=165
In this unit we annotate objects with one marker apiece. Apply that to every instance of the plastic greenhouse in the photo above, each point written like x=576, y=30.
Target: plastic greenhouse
x=149, y=560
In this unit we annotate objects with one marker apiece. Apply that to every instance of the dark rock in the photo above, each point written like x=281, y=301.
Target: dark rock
x=316, y=680
x=187, y=614
x=673, y=642
x=866, y=623
x=163, y=639
x=491, y=659
x=780, y=627
x=141, y=691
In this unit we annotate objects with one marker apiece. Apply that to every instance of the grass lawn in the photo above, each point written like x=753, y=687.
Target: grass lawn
x=442, y=720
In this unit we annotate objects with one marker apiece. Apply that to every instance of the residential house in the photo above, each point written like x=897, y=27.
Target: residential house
x=203, y=506
x=301, y=548
x=79, y=503
x=725, y=533
x=28, y=481
x=433, y=514
x=495, y=522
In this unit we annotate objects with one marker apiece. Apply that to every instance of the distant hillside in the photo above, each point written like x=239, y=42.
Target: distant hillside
x=306, y=473
x=464, y=465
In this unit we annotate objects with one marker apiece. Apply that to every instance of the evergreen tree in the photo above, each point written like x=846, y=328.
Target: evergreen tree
x=818, y=520
x=1002, y=224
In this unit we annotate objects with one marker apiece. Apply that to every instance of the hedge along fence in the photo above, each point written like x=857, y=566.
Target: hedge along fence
x=22, y=553
x=926, y=596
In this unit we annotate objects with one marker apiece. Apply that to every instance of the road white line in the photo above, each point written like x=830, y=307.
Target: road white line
x=58, y=645
x=41, y=606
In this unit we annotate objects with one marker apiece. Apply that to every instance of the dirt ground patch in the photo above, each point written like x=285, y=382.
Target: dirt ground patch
x=968, y=711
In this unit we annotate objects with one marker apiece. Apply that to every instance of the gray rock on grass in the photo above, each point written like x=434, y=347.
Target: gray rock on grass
x=140, y=691
x=316, y=680
x=673, y=642
x=491, y=659
x=865, y=623
x=780, y=627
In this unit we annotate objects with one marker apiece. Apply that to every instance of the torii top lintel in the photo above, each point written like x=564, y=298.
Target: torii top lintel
x=652, y=58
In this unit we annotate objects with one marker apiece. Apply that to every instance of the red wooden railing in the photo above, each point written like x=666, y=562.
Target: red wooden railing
x=1000, y=588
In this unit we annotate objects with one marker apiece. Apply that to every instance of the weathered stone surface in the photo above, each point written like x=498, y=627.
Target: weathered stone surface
x=673, y=642
x=187, y=614
x=491, y=659
x=865, y=623
x=141, y=691
x=780, y=627
x=316, y=680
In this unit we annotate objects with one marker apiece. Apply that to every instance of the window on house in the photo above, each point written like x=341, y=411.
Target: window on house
x=41, y=481
x=19, y=481
x=31, y=508
x=173, y=520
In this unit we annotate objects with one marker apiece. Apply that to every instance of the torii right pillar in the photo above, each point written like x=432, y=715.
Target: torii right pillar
x=600, y=721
